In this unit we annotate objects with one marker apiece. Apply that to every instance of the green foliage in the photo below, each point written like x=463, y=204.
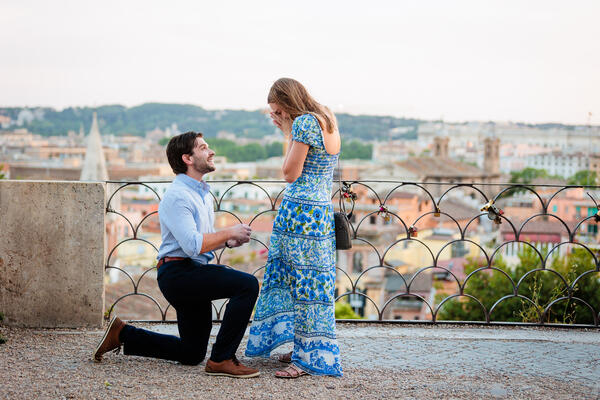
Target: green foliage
x=583, y=178
x=369, y=127
x=2, y=176
x=164, y=141
x=119, y=120
x=527, y=175
x=236, y=260
x=356, y=150
x=542, y=287
x=274, y=149
x=244, y=153
x=344, y=311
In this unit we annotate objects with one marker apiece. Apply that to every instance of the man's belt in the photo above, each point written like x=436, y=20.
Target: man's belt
x=168, y=259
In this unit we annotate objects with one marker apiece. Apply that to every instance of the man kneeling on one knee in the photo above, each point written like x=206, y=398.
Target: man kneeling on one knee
x=186, y=277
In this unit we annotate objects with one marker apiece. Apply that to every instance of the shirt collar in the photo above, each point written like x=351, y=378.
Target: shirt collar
x=200, y=187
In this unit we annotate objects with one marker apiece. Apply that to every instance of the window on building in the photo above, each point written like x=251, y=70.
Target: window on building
x=459, y=250
x=592, y=229
x=373, y=219
x=554, y=208
x=357, y=262
x=357, y=302
x=578, y=211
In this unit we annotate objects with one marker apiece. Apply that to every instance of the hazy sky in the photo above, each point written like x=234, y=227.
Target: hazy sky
x=533, y=61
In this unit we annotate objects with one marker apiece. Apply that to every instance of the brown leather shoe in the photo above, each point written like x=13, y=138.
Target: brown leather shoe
x=232, y=368
x=110, y=340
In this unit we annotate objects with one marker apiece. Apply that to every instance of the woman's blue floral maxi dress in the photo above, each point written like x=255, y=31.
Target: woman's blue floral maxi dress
x=296, y=302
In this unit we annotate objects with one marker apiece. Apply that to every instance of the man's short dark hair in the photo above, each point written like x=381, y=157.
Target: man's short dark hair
x=177, y=147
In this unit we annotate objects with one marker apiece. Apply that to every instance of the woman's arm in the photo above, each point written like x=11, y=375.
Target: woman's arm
x=294, y=160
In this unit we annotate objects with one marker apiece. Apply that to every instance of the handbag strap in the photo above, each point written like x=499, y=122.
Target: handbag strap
x=341, y=200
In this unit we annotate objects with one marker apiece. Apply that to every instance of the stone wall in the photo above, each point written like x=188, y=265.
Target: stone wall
x=52, y=253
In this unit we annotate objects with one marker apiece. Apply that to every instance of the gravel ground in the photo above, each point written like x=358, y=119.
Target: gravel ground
x=380, y=362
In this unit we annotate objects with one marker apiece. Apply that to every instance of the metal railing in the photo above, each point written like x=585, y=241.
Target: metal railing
x=412, y=260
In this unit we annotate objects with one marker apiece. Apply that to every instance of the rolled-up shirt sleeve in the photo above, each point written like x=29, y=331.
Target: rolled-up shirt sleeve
x=177, y=215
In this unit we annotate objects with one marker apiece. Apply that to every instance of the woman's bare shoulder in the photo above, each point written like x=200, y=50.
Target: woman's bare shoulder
x=332, y=142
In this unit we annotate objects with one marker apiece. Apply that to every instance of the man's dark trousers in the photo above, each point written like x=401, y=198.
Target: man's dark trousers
x=190, y=287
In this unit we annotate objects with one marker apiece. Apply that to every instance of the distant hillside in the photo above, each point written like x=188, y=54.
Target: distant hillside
x=119, y=120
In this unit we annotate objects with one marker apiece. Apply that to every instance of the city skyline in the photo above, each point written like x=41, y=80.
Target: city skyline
x=466, y=61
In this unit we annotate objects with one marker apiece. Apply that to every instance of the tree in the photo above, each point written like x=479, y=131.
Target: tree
x=583, y=178
x=249, y=152
x=344, y=311
x=356, y=150
x=164, y=141
x=527, y=175
x=274, y=149
x=541, y=287
x=118, y=120
x=244, y=153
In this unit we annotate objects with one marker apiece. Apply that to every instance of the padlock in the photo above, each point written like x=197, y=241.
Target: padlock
x=493, y=212
x=412, y=231
x=488, y=205
x=384, y=212
x=347, y=193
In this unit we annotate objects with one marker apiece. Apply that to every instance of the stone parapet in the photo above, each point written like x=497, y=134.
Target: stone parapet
x=52, y=253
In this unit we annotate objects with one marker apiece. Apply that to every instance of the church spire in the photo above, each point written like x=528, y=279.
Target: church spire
x=94, y=165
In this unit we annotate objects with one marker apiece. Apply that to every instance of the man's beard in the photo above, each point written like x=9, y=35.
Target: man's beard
x=204, y=168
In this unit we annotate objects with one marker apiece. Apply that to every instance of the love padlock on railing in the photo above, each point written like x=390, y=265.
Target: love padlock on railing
x=347, y=193
x=493, y=212
x=412, y=231
x=384, y=212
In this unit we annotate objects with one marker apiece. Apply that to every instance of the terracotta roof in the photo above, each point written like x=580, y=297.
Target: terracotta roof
x=538, y=225
x=549, y=181
x=457, y=209
x=440, y=167
x=421, y=284
x=402, y=195
x=455, y=265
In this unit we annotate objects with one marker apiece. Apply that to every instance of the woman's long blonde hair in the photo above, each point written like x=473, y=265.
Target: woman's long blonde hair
x=294, y=99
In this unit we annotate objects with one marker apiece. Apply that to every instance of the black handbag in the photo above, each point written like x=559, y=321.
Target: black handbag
x=343, y=230
x=343, y=237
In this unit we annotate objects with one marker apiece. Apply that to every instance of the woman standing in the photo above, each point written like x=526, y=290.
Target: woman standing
x=296, y=302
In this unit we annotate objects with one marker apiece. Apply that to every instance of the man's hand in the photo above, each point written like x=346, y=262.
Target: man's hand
x=239, y=234
x=233, y=243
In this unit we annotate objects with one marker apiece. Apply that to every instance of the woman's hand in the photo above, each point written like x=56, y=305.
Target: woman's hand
x=283, y=121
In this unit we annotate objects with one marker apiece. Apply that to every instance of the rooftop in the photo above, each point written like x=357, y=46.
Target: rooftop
x=441, y=167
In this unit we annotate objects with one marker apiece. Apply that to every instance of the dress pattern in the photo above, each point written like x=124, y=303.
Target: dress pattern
x=296, y=302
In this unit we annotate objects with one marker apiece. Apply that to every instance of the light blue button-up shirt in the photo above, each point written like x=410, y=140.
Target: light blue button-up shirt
x=186, y=213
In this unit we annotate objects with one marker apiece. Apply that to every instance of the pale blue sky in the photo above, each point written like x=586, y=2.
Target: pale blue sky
x=533, y=61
